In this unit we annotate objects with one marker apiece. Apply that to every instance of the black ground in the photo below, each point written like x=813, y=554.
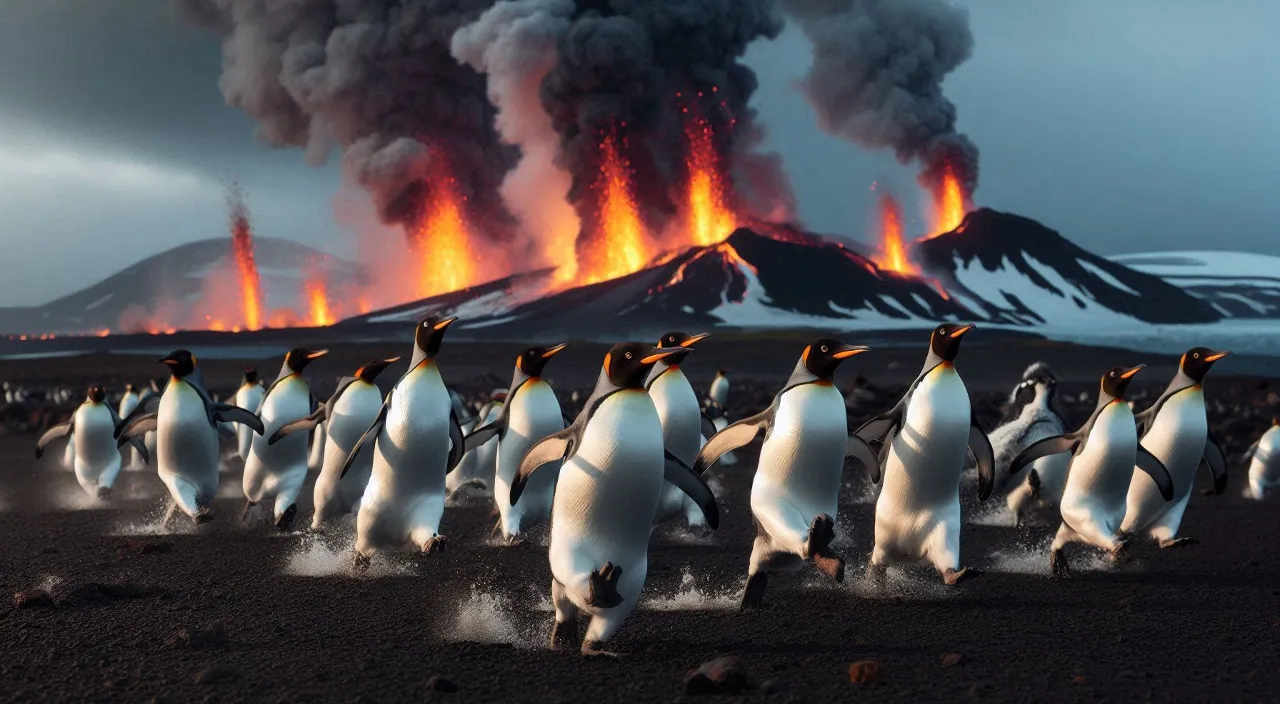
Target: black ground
x=230, y=612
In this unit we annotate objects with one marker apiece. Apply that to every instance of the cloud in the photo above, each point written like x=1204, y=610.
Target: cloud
x=46, y=169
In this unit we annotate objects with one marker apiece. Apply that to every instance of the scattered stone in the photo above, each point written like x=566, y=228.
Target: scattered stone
x=213, y=637
x=217, y=673
x=436, y=683
x=34, y=599
x=866, y=672
x=953, y=659
x=720, y=676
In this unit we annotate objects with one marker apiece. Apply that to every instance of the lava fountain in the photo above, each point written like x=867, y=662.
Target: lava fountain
x=709, y=218
x=950, y=203
x=318, y=301
x=246, y=266
x=621, y=246
x=893, y=248
x=442, y=243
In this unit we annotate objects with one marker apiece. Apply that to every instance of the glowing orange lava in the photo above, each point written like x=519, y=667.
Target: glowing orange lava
x=246, y=267
x=950, y=203
x=442, y=244
x=318, y=301
x=622, y=246
x=710, y=220
x=893, y=250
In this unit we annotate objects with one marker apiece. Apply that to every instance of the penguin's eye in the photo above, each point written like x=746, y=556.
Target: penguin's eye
x=627, y=355
x=824, y=348
x=1196, y=355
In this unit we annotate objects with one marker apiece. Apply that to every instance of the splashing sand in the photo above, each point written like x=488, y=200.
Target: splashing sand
x=1033, y=558
x=313, y=557
x=688, y=597
x=485, y=617
x=152, y=523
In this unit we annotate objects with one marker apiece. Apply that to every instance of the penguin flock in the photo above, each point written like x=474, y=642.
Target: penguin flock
x=637, y=453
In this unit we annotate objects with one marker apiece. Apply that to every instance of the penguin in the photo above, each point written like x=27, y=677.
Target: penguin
x=316, y=451
x=249, y=397
x=1176, y=430
x=719, y=392
x=478, y=465
x=1104, y=453
x=612, y=463
x=278, y=470
x=531, y=412
x=715, y=413
x=795, y=493
x=1264, y=462
x=93, y=426
x=345, y=416
x=683, y=424
x=69, y=454
x=926, y=434
x=416, y=440
x=128, y=402
x=185, y=424
x=1032, y=417
x=149, y=401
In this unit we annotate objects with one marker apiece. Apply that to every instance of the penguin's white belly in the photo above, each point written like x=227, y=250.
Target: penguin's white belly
x=802, y=460
x=1264, y=469
x=1098, y=480
x=534, y=413
x=351, y=416
x=720, y=391
x=1177, y=438
x=97, y=460
x=249, y=398
x=607, y=492
x=186, y=442
x=269, y=467
x=681, y=419
x=413, y=447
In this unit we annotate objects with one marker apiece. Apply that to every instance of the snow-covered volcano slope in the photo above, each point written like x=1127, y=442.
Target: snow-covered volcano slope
x=1236, y=284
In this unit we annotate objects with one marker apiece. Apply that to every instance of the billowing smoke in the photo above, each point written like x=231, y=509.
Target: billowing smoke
x=514, y=44
x=876, y=78
x=376, y=79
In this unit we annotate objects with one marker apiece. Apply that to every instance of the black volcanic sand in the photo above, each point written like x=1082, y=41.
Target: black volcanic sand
x=234, y=612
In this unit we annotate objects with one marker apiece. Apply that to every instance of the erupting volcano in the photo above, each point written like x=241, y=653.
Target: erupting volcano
x=246, y=267
x=620, y=244
x=893, y=250
x=709, y=218
x=950, y=202
x=442, y=243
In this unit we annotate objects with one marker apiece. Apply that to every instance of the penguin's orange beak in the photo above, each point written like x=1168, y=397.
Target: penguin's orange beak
x=1129, y=374
x=656, y=355
x=1216, y=356
x=446, y=323
x=851, y=351
x=317, y=354
x=695, y=339
x=960, y=331
x=554, y=351
x=393, y=360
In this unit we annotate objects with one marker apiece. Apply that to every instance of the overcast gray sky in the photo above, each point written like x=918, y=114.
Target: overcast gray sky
x=1127, y=126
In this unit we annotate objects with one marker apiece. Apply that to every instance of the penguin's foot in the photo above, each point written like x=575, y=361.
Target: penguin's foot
x=565, y=636
x=1058, y=564
x=952, y=577
x=1167, y=543
x=104, y=493
x=753, y=595
x=516, y=539
x=436, y=545
x=592, y=649
x=284, y=523
x=204, y=514
x=830, y=564
x=604, y=588
x=822, y=532
x=360, y=563
x=248, y=506
x=1119, y=549
x=876, y=575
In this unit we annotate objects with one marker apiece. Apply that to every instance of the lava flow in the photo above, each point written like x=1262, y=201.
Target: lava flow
x=621, y=246
x=246, y=267
x=710, y=220
x=442, y=243
x=893, y=249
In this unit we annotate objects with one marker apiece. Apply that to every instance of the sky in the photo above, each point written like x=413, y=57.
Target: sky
x=1127, y=126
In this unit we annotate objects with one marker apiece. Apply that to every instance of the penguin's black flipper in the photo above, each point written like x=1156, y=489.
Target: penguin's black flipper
x=1147, y=418
x=457, y=448
x=60, y=430
x=369, y=436
x=858, y=449
x=139, y=426
x=692, y=484
x=146, y=406
x=1053, y=445
x=226, y=413
x=708, y=427
x=880, y=427
x=556, y=446
x=1155, y=469
x=1217, y=464
x=485, y=433
x=141, y=447
x=734, y=435
x=317, y=416
x=980, y=446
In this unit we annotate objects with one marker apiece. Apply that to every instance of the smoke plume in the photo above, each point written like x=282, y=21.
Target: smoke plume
x=876, y=78
x=376, y=79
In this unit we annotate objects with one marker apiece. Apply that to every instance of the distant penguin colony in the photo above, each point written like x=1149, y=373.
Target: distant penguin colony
x=635, y=453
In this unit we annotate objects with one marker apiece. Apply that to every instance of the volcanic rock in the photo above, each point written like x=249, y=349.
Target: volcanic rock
x=953, y=659
x=866, y=672
x=720, y=676
x=212, y=637
x=34, y=599
x=436, y=683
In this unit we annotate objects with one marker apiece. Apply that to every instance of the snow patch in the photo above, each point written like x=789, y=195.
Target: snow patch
x=1106, y=276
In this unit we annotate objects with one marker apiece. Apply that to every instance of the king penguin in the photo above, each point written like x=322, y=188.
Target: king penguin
x=719, y=392
x=345, y=416
x=684, y=427
x=927, y=433
x=714, y=413
x=796, y=491
x=186, y=430
x=249, y=397
x=128, y=402
x=531, y=412
x=1033, y=418
x=278, y=470
x=1176, y=430
x=1104, y=453
x=476, y=470
x=612, y=467
x=97, y=459
x=1264, y=463
x=416, y=441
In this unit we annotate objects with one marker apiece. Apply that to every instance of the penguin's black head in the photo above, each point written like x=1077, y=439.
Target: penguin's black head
x=128, y=388
x=681, y=344
x=250, y=376
x=370, y=370
x=628, y=363
x=97, y=394
x=945, y=342
x=822, y=356
x=1116, y=381
x=722, y=372
x=298, y=358
x=181, y=363
x=533, y=360
x=1197, y=361
x=430, y=334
